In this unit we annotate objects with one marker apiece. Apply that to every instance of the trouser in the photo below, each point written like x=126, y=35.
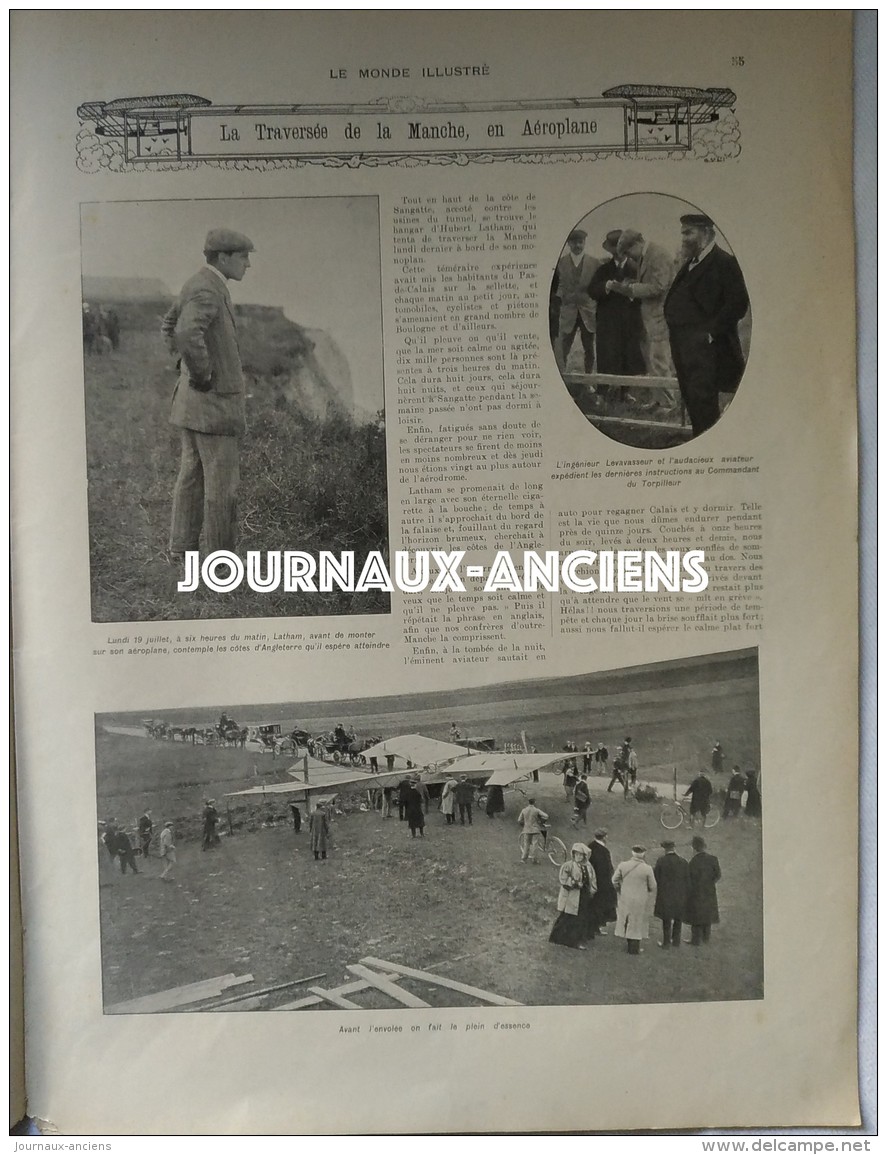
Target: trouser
x=386, y=806
x=146, y=842
x=205, y=495
x=402, y=810
x=127, y=858
x=529, y=842
x=168, y=863
x=617, y=777
x=633, y=945
x=699, y=933
x=657, y=364
x=696, y=368
x=451, y=818
x=567, y=337
x=671, y=931
x=582, y=814
x=465, y=811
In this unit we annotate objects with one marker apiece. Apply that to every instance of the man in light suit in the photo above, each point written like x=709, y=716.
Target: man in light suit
x=655, y=273
x=208, y=404
x=577, y=310
x=703, y=308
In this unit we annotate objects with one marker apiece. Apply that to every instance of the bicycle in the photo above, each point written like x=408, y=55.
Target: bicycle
x=552, y=846
x=674, y=814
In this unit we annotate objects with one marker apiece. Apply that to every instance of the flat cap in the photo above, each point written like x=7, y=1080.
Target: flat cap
x=698, y=219
x=577, y=235
x=667, y=844
x=227, y=241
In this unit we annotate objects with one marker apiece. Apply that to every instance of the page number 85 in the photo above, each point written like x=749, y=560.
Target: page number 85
x=737, y=61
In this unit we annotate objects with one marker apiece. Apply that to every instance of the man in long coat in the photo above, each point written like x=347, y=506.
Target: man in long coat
x=604, y=899
x=699, y=792
x=208, y=405
x=620, y=329
x=672, y=882
x=415, y=810
x=703, y=308
x=735, y=790
x=704, y=873
x=635, y=884
x=319, y=830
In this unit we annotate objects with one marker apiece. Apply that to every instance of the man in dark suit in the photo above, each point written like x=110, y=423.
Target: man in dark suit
x=703, y=308
x=603, y=901
x=672, y=881
x=704, y=874
x=208, y=404
x=699, y=792
x=620, y=329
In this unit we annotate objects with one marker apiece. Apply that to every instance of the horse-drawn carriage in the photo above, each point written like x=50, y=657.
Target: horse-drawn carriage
x=341, y=745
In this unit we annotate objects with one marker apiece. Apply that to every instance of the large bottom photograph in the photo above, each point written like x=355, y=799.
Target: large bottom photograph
x=586, y=840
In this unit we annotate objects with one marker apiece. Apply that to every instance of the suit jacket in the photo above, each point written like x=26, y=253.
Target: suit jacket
x=702, y=894
x=200, y=330
x=573, y=284
x=672, y=880
x=619, y=324
x=711, y=299
x=655, y=275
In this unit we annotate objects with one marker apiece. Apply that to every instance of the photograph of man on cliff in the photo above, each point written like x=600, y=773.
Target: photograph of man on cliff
x=234, y=396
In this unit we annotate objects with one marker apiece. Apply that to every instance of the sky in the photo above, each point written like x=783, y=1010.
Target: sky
x=656, y=215
x=316, y=257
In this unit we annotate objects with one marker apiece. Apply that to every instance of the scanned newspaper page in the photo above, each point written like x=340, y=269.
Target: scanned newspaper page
x=434, y=517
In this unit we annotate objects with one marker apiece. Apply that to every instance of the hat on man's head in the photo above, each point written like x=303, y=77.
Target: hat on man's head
x=611, y=240
x=577, y=235
x=601, y=832
x=227, y=241
x=639, y=849
x=700, y=220
x=667, y=844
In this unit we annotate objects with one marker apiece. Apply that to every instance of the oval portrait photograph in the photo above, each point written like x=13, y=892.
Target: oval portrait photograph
x=649, y=320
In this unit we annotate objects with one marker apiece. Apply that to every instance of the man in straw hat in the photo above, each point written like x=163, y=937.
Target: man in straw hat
x=208, y=405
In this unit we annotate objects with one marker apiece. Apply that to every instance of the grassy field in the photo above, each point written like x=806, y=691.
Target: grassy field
x=309, y=481
x=260, y=903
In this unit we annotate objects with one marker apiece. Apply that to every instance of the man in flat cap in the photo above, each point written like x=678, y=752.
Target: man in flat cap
x=655, y=273
x=208, y=404
x=703, y=308
x=577, y=310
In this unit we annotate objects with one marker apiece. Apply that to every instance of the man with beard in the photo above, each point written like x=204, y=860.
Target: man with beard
x=603, y=902
x=703, y=308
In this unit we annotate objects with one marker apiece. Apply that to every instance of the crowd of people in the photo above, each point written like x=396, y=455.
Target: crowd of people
x=643, y=312
x=593, y=894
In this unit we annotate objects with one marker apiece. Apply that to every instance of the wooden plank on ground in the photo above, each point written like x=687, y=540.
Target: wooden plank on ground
x=262, y=993
x=383, y=983
x=441, y=981
x=175, y=997
x=336, y=999
x=313, y=1000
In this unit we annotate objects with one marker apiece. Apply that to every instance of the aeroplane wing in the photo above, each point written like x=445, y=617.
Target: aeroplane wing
x=503, y=769
x=416, y=748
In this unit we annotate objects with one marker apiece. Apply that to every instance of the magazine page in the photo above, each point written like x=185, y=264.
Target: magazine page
x=434, y=521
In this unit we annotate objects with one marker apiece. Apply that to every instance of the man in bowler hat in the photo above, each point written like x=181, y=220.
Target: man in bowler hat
x=703, y=308
x=208, y=404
